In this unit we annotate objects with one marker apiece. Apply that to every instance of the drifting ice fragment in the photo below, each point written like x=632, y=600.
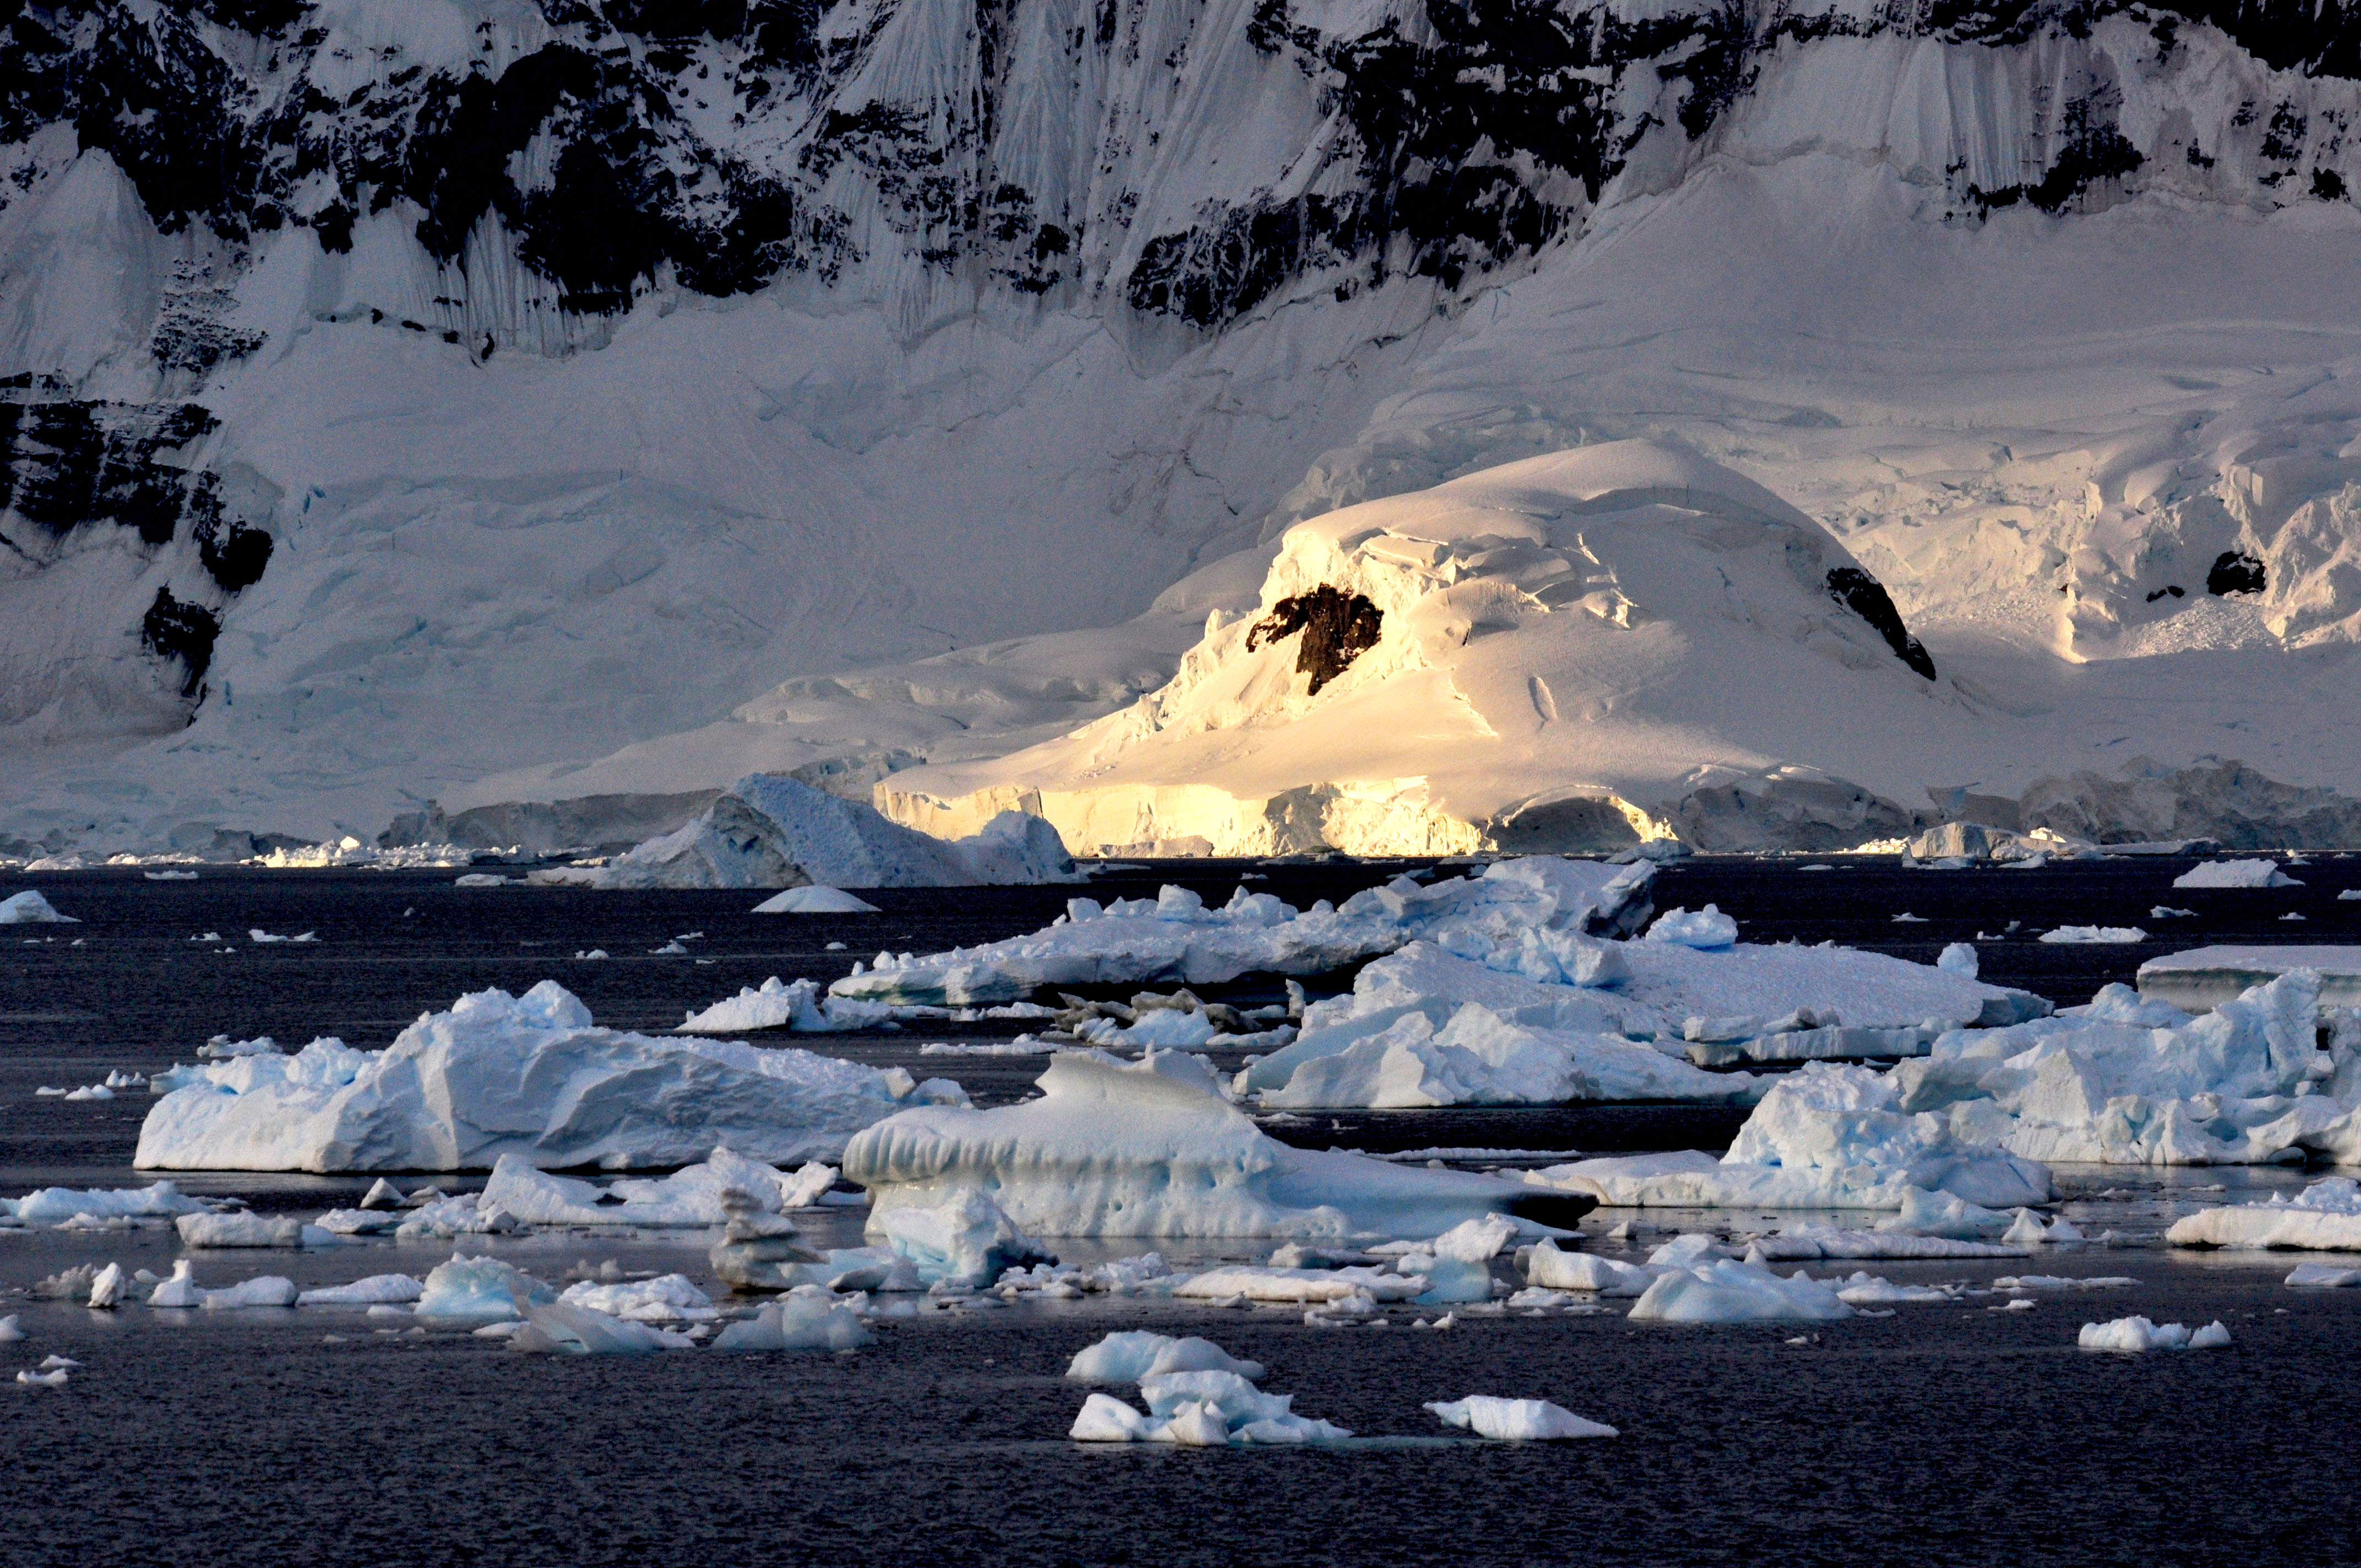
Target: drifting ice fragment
x=2131, y=1334
x=240, y=1230
x=1127, y=1356
x=30, y=908
x=1708, y=930
x=2315, y=1275
x=2326, y=1217
x=481, y=1288
x=377, y=1289
x=560, y=1329
x=2119, y=935
x=1726, y=1292
x=807, y=1318
x=2235, y=874
x=815, y=900
x=1517, y=1420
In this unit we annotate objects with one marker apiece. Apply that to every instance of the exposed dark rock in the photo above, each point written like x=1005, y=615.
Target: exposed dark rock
x=1337, y=628
x=1866, y=597
x=176, y=629
x=2235, y=572
x=234, y=555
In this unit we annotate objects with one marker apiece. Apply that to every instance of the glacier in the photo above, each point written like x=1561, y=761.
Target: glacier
x=845, y=391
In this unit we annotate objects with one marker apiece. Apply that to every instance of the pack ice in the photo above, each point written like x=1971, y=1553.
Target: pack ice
x=769, y=830
x=530, y=1076
x=1148, y=1148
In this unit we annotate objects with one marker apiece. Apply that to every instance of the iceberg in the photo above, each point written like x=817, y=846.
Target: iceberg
x=2326, y=1217
x=378, y=1290
x=1825, y=1137
x=1516, y=1420
x=770, y=830
x=2136, y=1334
x=1727, y=1292
x=2131, y=1081
x=1175, y=939
x=530, y=1076
x=1152, y=1148
x=816, y=899
x=2235, y=874
x=1129, y=1355
x=807, y=1318
x=55, y=1205
x=481, y=1288
x=30, y=908
x=960, y=1237
x=1708, y=930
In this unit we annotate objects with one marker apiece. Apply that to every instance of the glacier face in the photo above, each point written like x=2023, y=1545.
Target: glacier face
x=466, y=397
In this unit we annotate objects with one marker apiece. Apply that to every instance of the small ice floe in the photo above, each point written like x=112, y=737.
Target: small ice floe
x=170, y=876
x=30, y=908
x=1516, y=1420
x=786, y=1004
x=2167, y=912
x=378, y=1290
x=814, y=899
x=57, y=1205
x=221, y=1047
x=91, y=1092
x=1727, y=1291
x=263, y=1291
x=9, y=1333
x=964, y=1238
x=1708, y=929
x=670, y=949
x=2130, y=1334
x=667, y=1299
x=206, y=936
x=1207, y=1407
x=2029, y=1230
x=2235, y=874
x=556, y=1328
x=2292, y=914
x=257, y=935
x=807, y=1318
x=108, y=1287
x=2121, y=935
x=2062, y=1282
x=1144, y=1274
x=1865, y=1289
x=1549, y=1267
x=587, y=954
x=2320, y=1275
x=1959, y=958
x=383, y=1194
x=481, y=1288
x=240, y=1230
x=1906, y=918
x=1301, y=1285
x=55, y=1380
x=2349, y=896
x=2326, y=1217
x=1129, y=1356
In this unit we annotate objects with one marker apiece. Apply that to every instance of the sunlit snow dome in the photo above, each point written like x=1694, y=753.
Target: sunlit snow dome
x=1552, y=654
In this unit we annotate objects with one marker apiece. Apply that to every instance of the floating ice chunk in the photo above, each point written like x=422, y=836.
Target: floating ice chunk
x=2133, y=1334
x=9, y=1333
x=1129, y=1355
x=1925, y=1213
x=375, y=1289
x=2026, y=1231
x=2167, y=912
x=815, y=900
x=170, y=876
x=1805, y=1240
x=1959, y=958
x=54, y=1205
x=1263, y=1283
x=667, y=1298
x=2121, y=935
x=1870, y=1290
x=2062, y=1282
x=2318, y=1275
x=691, y=1196
x=2235, y=874
x=1474, y=1241
x=1708, y=930
x=107, y=1288
x=1727, y=1291
x=1826, y=1137
x=480, y=1288
x=1153, y=1149
x=91, y=1091
x=181, y=1290
x=1105, y=1419
x=1546, y=1266
x=30, y=908
x=240, y=1230
x=807, y=1318
x=778, y=1004
x=480, y=879
x=556, y=1329
x=257, y=935
x=500, y=1074
x=1202, y=1410
x=382, y=1194
x=1233, y=1396
x=2326, y=1217
x=1516, y=1420
x=44, y=1379
x=263, y=1291
x=965, y=1238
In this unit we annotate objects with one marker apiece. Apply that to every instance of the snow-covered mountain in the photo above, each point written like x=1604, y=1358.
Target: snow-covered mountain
x=490, y=400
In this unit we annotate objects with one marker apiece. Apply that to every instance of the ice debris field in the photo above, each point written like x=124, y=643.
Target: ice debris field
x=1907, y=1116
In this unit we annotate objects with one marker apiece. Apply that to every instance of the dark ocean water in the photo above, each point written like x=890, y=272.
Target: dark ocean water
x=1943, y=1432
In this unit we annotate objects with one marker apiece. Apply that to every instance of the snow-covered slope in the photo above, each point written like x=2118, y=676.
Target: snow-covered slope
x=458, y=399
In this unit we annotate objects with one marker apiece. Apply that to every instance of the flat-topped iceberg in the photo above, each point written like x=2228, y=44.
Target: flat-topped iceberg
x=530, y=1076
x=1151, y=1149
x=2326, y=1217
x=1175, y=937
